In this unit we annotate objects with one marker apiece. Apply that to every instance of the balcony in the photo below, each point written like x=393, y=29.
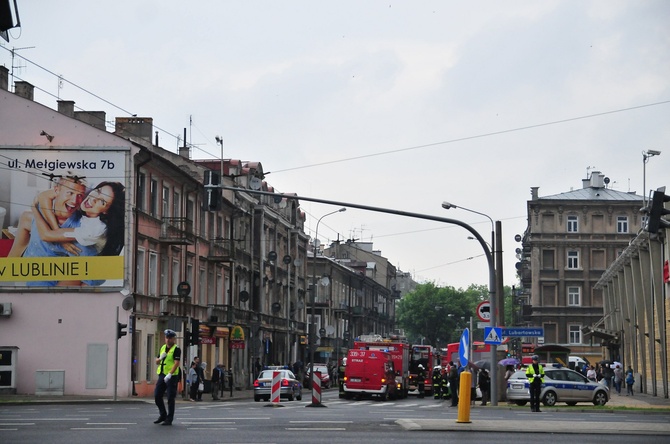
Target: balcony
x=177, y=231
x=221, y=250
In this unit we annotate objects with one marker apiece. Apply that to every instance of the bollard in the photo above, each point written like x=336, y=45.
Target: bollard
x=464, y=396
x=316, y=388
x=276, y=388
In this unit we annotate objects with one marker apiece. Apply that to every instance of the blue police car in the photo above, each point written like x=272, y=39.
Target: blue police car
x=560, y=385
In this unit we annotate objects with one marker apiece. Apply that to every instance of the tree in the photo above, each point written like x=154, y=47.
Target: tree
x=437, y=314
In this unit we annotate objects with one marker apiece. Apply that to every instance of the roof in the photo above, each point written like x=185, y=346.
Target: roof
x=592, y=193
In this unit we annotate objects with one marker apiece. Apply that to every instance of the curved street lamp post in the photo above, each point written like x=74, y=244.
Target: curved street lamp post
x=312, y=325
x=490, y=250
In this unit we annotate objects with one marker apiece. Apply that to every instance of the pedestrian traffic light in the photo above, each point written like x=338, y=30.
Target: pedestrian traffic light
x=120, y=330
x=194, y=338
x=656, y=210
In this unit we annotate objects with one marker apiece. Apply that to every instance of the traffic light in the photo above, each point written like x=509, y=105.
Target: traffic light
x=120, y=330
x=212, y=195
x=194, y=338
x=657, y=210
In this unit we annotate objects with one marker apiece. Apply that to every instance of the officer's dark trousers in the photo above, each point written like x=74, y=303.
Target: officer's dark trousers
x=171, y=389
x=535, y=389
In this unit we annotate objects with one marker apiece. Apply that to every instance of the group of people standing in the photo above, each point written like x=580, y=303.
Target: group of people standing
x=446, y=382
x=613, y=376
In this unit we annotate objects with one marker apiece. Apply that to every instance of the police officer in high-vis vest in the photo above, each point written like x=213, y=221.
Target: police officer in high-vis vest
x=168, y=377
x=535, y=375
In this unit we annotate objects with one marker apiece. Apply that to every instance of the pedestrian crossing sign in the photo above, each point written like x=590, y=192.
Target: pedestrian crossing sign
x=493, y=335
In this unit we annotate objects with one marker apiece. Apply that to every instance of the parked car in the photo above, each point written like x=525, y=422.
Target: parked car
x=290, y=388
x=325, y=376
x=560, y=385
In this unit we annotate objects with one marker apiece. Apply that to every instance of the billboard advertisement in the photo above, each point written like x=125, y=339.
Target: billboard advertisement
x=63, y=217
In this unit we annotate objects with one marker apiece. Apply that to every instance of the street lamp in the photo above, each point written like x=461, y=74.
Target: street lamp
x=492, y=295
x=312, y=325
x=645, y=158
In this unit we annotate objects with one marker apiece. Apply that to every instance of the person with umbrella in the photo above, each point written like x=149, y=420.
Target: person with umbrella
x=484, y=382
x=535, y=375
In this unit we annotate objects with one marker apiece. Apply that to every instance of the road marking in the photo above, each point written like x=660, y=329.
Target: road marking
x=311, y=429
x=321, y=422
x=111, y=423
x=98, y=428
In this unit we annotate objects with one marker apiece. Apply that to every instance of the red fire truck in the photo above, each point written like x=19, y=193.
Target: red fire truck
x=426, y=356
x=398, y=348
x=369, y=373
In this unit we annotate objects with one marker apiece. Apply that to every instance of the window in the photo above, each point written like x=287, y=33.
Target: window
x=141, y=266
x=548, y=260
x=166, y=202
x=622, y=224
x=574, y=296
x=176, y=277
x=573, y=260
x=573, y=225
x=164, y=275
x=176, y=204
x=141, y=190
x=575, y=334
x=153, y=272
x=154, y=197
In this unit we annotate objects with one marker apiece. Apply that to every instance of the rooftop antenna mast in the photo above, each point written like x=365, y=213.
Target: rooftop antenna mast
x=588, y=168
x=13, y=51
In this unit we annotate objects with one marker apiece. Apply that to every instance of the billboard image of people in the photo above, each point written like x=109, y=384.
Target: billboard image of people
x=63, y=217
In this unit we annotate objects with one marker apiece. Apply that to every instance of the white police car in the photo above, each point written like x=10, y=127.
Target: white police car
x=560, y=385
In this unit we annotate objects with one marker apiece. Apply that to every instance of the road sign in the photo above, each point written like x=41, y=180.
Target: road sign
x=464, y=348
x=493, y=335
x=484, y=311
x=521, y=332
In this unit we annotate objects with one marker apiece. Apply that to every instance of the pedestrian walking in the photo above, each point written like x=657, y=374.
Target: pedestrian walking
x=437, y=387
x=618, y=378
x=535, y=375
x=193, y=381
x=630, y=381
x=217, y=379
x=168, y=378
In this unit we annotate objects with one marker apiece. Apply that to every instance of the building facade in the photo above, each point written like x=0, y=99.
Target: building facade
x=571, y=239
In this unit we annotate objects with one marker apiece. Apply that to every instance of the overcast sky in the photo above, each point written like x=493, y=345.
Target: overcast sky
x=400, y=105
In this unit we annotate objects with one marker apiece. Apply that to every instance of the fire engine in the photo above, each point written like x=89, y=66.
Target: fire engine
x=426, y=356
x=399, y=349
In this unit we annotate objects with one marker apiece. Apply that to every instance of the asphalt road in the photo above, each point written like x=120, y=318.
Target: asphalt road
x=245, y=421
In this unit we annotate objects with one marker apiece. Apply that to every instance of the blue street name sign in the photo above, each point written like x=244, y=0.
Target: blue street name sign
x=521, y=332
x=464, y=348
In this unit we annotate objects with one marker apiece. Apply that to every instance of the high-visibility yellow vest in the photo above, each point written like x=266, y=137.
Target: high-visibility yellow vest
x=530, y=373
x=166, y=364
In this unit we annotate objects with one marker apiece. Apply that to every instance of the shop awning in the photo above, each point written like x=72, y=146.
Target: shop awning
x=601, y=333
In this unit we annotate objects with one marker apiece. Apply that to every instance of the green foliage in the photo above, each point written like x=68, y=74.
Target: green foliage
x=438, y=315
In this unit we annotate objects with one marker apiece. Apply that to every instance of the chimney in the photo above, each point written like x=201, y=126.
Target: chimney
x=94, y=118
x=66, y=107
x=533, y=193
x=185, y=151
x=24, y=89
x=4, y=78
x=597, y=179
x=135, y=128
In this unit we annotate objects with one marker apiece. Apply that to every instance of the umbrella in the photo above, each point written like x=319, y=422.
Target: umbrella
x=508, y=361
x=483, y=364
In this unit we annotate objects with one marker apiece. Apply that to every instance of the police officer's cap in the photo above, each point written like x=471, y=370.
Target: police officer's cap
x=170, y=333
x=536, y=358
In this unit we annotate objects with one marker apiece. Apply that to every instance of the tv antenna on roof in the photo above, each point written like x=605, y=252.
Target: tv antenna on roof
x=588, y=168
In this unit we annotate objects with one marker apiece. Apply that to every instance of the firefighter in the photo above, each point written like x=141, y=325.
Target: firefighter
x=436, y=382
x=444, y=383
x=421, y=376
x=340, y=376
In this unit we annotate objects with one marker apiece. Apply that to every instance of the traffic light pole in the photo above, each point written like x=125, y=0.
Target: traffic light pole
x=116, y=354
